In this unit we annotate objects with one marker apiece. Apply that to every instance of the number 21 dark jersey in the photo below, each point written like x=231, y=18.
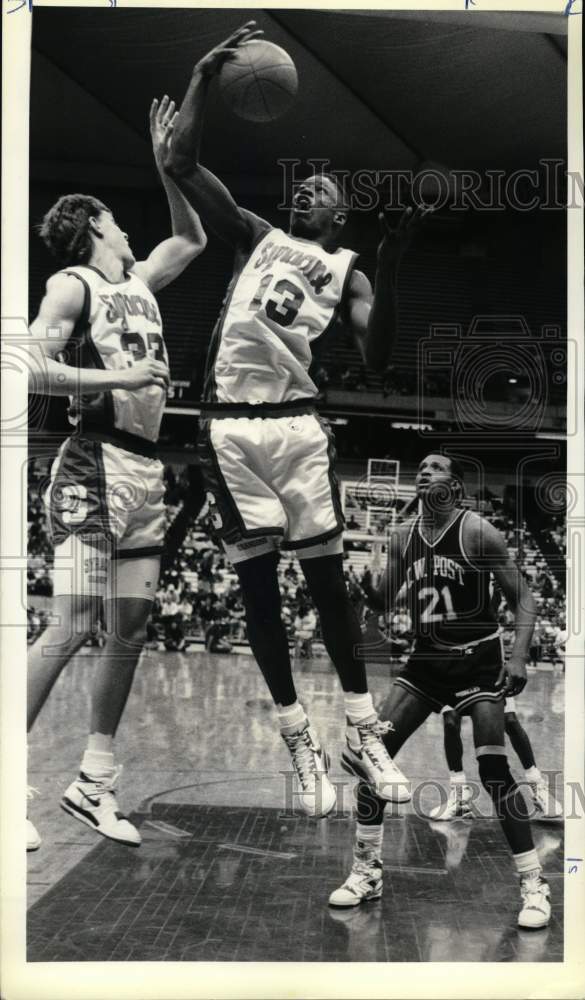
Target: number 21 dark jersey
x=448, y=598
x=120, y=324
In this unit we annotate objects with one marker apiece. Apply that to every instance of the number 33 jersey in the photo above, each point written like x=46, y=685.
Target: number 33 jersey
x=120, y=325
x=448, y=598
x=279, y=302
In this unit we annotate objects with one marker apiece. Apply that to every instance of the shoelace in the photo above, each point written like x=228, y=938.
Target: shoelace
x=533, y=890
x=103, y=784
x=303, y=752
x=370, y=736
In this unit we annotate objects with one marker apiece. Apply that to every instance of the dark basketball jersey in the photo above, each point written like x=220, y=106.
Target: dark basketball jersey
x=448, y=599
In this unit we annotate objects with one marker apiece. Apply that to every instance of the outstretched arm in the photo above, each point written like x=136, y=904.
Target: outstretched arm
x=373, y=315
x=487, y=550
x=203, y=189
x=170, y=258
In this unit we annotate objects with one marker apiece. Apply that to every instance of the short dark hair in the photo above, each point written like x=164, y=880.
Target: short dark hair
x=342, y=199
x=65, y=227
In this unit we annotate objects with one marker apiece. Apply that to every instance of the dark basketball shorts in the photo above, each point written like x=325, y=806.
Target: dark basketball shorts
x=456, y=678
x=106, y=513
x=271, y=483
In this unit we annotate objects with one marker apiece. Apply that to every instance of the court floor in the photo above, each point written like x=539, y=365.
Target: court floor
x=229, y=871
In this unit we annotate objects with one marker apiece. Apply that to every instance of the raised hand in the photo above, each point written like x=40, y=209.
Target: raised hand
x=214, y=60
x=162, y=119
x=397, y=239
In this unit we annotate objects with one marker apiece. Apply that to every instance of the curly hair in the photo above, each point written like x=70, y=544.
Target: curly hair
x=65, y=227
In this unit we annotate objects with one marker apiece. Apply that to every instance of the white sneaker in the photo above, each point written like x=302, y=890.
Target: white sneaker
x=311, y=764
x=456, y=806
x=545, y=803
x=366, y=757
x=363, y=883
x=33, y=838
x=535, y=912
x=93, y=802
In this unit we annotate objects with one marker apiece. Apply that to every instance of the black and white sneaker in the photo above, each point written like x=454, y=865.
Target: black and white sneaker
x=317, y=795
x=366, y=757
x=93, y=802
x=363, y=883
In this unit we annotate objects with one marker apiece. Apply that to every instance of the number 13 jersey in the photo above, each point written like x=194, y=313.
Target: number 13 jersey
x=448, y=598
x=119, y=325
x=279, y=302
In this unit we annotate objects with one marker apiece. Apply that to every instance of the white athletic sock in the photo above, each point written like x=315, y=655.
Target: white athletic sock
x=533, y=774
x=292, y=718
x=100, y=742
x=368, y=838
x=97, y=765
x=359, y=707
x=527, y=863
x=457, y=778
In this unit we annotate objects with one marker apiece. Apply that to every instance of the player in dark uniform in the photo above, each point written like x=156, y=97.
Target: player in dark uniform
x=443, y=564
x=266, y=454
x=98, y=339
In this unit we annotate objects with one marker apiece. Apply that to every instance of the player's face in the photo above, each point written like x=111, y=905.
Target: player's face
x=434, y=475
x=115, y=239
x=316, y=204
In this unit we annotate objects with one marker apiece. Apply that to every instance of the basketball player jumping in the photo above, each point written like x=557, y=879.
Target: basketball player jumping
x=266, y=454
x=98, y=340
x=444, y=561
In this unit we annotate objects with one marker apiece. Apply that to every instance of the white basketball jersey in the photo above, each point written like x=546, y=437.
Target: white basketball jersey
x=120, y=324
x=278, y=304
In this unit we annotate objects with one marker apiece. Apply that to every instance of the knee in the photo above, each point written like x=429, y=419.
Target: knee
x=495, y=774
x=511, y=723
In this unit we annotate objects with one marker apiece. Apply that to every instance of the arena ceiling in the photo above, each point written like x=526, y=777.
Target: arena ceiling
x=378, y=90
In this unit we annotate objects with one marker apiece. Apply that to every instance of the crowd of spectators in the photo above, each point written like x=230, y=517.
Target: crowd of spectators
x=199, y=599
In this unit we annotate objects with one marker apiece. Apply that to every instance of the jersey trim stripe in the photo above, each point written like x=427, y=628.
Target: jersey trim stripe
x=210, y=383
x=82, y=337
x=341, y=302
x=440, y=537
x=462, y=546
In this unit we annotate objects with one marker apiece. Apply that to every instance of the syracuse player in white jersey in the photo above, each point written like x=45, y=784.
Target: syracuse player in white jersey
x=266, y=455
x=98, y=339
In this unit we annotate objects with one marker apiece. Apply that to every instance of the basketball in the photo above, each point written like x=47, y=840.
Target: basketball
x=259, y=82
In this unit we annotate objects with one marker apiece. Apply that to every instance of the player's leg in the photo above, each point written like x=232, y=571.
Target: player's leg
x=91, y=796
x=78, y=578
x=244, y=504
x=544, y=801
x=268, y=640
x=404, y=711
x=488, y=733
x=460, y=794
x=73, y=617
x=365, y=753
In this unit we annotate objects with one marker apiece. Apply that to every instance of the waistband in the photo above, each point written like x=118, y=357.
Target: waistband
x=121, y=439
x=289, y=408
x=465, y=645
